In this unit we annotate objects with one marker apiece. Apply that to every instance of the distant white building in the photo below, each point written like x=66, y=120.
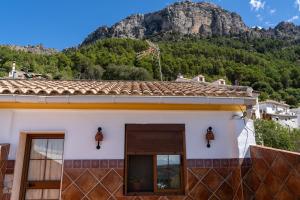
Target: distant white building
x=199, y=78
x=219, y=82
x=16, y=74
x=279, y=112
x=297, y=111
x=252, y=113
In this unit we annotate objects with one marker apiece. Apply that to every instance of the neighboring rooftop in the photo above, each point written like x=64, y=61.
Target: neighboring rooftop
x=275, y=103
x=296, y=110
x=132, y=88
x=199, y=78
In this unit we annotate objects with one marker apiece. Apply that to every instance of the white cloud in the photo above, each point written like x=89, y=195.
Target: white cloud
x=272, y=11
x=297, y=3
x=258, y=4
x=293, y=18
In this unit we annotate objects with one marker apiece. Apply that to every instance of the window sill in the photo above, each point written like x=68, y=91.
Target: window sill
x=155, y=194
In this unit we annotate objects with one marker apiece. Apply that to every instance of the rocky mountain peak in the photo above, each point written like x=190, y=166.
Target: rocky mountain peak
x=286, y=30
x=193, y=4
x=191, y=18
x=285, y=26
x=35, y=49
x=188, y=18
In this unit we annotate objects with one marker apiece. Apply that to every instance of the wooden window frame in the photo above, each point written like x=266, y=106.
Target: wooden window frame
x=183, y=165
x=26, y=160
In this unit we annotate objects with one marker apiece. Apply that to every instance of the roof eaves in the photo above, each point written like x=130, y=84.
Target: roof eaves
x=129, y=99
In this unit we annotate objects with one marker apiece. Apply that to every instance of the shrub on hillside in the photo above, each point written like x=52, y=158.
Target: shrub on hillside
x=115, y=72
x=273, y=134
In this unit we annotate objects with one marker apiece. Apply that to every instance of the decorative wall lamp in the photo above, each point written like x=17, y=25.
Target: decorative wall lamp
x=209, y=136
x=99, y=137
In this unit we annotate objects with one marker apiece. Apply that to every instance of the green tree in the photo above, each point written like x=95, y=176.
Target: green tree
x=114, y=72
x=291, y=100
x=268, y=65
x=263, y=96
x=272, y=134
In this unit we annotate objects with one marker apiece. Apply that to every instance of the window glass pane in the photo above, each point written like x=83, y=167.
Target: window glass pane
x=140, y=173
x=174, y=159
x=55, y=149
x=38, y=148
x=162, y=160
x=51, y=194
x=36, y=170
x=33, y=194
x=168, y=172
x=53, y=170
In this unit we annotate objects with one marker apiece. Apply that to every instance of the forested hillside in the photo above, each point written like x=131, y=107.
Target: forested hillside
x=268, y=65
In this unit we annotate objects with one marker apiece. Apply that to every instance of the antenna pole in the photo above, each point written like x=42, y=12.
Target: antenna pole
x=159, y=65
x=155, y=52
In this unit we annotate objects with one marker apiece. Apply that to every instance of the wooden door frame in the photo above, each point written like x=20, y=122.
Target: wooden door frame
x=26, y=159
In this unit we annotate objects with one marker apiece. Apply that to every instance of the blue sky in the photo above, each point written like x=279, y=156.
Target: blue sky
x=65, y=23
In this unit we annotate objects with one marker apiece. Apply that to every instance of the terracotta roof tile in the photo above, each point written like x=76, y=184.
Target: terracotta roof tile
x=134, y=88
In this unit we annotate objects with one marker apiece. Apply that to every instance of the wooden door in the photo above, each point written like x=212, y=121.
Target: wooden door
x=42, y=170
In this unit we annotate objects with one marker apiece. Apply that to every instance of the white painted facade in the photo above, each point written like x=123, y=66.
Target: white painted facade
x=280, y=113
x=274, y=108
x=232, y=138
x=297, y=111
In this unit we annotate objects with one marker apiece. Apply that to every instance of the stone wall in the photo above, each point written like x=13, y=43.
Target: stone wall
x=103, y=180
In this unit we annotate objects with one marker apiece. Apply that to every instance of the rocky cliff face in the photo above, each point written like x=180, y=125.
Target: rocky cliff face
x=284, y=30
x=189, y=18
x=203, y=19
x=35, y=49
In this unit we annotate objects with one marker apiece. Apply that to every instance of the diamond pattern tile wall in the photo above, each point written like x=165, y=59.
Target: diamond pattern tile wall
x=106, y=183
x=269, y=174
x=274, y=174
x=4, y=150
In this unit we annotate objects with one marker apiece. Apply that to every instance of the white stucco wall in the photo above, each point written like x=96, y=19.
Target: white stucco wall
x=231, y=137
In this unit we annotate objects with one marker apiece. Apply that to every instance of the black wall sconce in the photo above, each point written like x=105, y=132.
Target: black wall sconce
x=99, y=137
x=209, y=136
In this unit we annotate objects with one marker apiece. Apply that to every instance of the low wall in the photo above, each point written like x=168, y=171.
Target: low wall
x=274, y=174
x=269, y=174
x=206, y=179
x=4, y=150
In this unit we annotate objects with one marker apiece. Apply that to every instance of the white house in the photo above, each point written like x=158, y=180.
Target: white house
x=123, y=139
x=17, y=74
x=297, y=112
x=278, y=111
